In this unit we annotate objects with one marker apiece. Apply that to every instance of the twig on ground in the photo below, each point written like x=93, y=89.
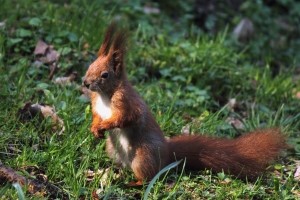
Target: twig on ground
x=34, y=186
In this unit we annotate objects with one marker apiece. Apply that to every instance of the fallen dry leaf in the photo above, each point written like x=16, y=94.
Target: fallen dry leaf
x=27, y=113
x=151, y=10
x=104, y=175
x=2, y=24
x=36, y=187
x=66, y=80
x=86, y=46
x=296, y=193
x=244, y=30
x=40, y=48
x=49, y=111
x=53, y=68
x=96, y=193
x=30, y=111
x=235, y=122
x=226, y=181
x=232, y=104
x=297, y=96
x=297, y=173
x=186, y=130
x=52, y=55
x=46, y=54
x=13, y=149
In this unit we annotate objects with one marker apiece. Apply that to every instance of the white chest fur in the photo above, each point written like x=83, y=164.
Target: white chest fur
x=103, y=107
x=117, y=135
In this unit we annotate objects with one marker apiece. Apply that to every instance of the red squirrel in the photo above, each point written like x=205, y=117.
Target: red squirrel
x=135, y=139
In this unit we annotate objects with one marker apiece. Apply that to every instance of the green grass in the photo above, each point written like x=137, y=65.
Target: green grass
x=185, y=76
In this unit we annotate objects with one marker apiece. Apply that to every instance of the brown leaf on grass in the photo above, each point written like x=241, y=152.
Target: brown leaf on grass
x=86, y=46
x=48, y=111
x=244, y=31
x=50, y=57
x=27, y=113
x=46, y=54
x=2, y=24
x=296, y=193
x=40, y=48
x=235, y=106
x=53, y=68
x=297, y=172
x=66, y=80
x=235, y=123
x=30, y=111
x=104, y=175
x=151, y=10
x=232, y=104
x=226, y=181
x=186, y=130
x=34, y=186
x=297, y=95
x=13, y=149
x=35, y=171
x=95, y=194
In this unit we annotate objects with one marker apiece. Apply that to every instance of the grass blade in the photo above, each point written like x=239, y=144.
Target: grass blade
x=19, y=191
x=165, y=169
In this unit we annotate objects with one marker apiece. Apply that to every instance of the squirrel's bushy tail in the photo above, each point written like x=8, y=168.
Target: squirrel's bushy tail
x=246, y=156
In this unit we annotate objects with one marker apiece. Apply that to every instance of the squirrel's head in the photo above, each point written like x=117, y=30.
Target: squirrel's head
x=108, y=70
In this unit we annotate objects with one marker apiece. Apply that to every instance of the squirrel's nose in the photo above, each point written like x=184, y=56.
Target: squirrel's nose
x=86, y=83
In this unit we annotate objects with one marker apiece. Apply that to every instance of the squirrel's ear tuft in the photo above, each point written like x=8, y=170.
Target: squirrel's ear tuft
x=115, y=38
x=120, y=41
x=108, y=39
x=114, y=46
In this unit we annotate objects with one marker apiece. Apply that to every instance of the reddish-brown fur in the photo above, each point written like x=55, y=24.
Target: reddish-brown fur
x=246, y=156
x=136, y=141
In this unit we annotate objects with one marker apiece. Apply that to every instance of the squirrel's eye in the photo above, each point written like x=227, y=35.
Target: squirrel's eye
x=104, y=75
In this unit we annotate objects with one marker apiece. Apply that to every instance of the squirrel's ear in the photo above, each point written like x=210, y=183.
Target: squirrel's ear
x=116, y=60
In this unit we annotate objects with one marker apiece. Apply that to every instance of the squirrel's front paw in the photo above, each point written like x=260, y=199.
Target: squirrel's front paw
x=98, y=133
